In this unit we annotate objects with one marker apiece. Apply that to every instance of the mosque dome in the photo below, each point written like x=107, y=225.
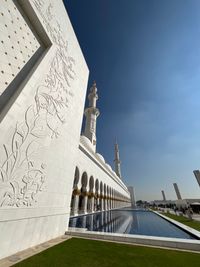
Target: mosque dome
x=109, y=167
x=100, y=157
x=85, y=141
x=113, y=172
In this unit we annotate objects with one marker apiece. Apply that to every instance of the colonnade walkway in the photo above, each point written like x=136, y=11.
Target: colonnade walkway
x=92, y=195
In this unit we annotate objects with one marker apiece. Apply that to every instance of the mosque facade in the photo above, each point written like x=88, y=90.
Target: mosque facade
x=96, y=186
x=48, y=171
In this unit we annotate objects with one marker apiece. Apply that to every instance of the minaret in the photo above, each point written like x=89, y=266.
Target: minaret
x=91, y=114
x=197, y=175
x=163, y=195
x=117, y=161
x=177, y=191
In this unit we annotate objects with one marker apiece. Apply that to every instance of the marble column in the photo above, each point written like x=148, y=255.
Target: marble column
x=101, y=204
x=84, y=204
x=84, y=218
x=108, y=206
x=95, y=204
x=74, y=210
x=105, y=203
x=91, y=222
x=89, y=205
x=92, y=204
x=98, y=203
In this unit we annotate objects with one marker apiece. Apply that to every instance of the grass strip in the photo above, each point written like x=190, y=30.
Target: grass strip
x=184, y=220
x=77, y=252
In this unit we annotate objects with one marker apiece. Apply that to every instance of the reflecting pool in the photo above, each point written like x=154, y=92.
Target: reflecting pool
x=130, y=222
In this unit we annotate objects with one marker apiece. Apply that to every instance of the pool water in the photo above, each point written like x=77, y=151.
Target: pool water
x=139, y=222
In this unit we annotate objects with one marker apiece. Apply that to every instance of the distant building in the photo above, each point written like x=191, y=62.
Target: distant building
x=184, y=203
x=163, y=202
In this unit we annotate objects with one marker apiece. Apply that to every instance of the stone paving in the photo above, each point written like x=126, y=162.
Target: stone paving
x=11, y=260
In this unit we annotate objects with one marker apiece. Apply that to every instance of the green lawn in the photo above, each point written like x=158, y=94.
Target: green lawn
x=90, y=253
x=184, y=220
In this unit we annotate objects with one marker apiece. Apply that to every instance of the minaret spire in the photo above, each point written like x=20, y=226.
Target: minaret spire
x=117, y=160
x=91, y=114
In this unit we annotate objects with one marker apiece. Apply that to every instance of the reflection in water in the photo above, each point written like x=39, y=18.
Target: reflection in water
x=129, y=222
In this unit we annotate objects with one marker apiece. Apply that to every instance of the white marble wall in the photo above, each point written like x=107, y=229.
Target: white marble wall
x=40, y=127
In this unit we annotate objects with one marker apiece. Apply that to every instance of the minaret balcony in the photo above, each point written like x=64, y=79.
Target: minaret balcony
x=91, y=110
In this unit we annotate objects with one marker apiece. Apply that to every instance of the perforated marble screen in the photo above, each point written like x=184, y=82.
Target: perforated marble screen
x=18, y=42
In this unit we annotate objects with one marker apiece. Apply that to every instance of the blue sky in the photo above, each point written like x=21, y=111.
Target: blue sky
x=145, y=58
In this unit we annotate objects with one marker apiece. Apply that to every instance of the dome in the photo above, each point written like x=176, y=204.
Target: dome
x=100, y=157
x=113, y=172
x=85, y=141
x=109, y=167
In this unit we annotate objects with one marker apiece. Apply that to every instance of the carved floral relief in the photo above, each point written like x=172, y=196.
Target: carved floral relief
x=22, y=175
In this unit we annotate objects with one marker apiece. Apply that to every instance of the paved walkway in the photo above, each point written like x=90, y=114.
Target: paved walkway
x=11, y=260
